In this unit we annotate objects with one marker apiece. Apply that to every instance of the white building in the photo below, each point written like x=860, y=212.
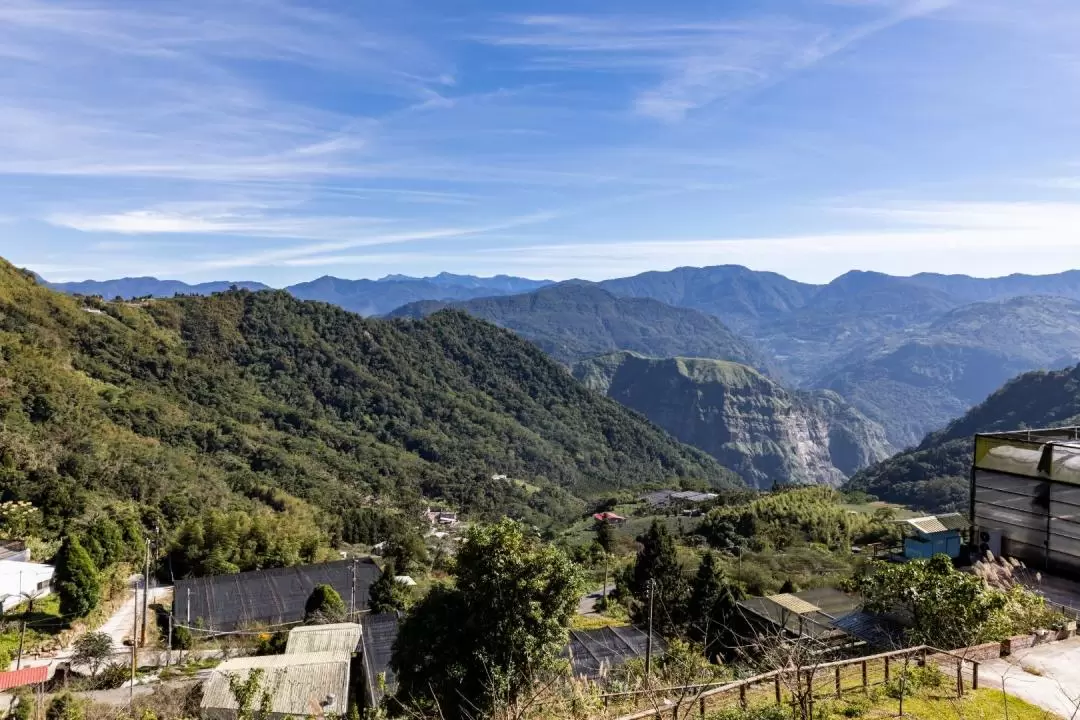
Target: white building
x=20, y=580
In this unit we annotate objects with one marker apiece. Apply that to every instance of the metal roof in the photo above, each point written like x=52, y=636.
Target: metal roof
x=377, y=643
x=593, y=653
x=938, y=523
x=268, y=597
x=25, y=676
x=335, y=637
x=302, y=685
x=812, y=613
x=795, y=604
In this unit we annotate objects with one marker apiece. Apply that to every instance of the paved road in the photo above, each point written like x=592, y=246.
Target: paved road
x=1056, y=689
x=119, y=627
x=587, y=604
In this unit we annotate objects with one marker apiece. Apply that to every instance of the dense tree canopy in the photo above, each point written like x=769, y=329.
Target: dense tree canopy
x=237, y=401
x=76, y=580
x=942, y=606
x=499, y=628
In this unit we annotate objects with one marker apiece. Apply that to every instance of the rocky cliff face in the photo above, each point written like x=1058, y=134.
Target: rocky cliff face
x=767, y=434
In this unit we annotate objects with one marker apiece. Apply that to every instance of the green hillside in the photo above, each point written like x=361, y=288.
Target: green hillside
x=246, y=400
x=748, y=422
x=934, y=475
x=574, y=321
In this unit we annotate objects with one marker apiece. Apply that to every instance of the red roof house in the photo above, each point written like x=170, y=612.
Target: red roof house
x=25, y=676
x=610, y=518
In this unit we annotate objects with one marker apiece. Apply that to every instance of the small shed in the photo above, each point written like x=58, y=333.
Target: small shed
x=300, y=685
x=335, y=637
x=934, y=535
x=609, y=517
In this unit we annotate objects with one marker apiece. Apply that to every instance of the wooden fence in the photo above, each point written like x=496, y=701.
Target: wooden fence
x=817, y=682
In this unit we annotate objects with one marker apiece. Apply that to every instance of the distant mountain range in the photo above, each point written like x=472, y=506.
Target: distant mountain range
x=574, y=321
x=751, y=424
x=134, y=287
x=366, y=297
x=910, y=353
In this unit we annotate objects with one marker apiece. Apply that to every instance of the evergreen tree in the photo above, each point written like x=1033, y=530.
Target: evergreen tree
x=712, y=606
x=605, y=535
x=76, y=580
x=465, y=650
x=324, y=605
x=658, y=564
x=387, y=594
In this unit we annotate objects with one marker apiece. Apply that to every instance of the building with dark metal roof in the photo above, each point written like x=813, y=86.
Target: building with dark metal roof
x=266, y=598
x=593, y=653
x=377, y=636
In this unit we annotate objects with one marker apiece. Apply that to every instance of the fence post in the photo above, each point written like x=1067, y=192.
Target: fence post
x=701, y=707
x=838, y=693
x=922, y=658
x=779, y=699
x=974, y=674
x=865, y=679
x=959, y=678
x=742, y=696
x=886, y=668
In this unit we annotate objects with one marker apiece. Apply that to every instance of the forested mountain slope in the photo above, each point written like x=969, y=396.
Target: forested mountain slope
x=233, y=400
x=744, y=299
x=573, y=321
x=934, y=475
x=918, y=381
x=767, y=434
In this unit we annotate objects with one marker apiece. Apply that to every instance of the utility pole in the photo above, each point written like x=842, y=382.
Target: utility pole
x=22, y=634
x=188, y=623
x=648, y=642
x=604, y=592
x=168, y=649
x=134, y=647
x=352, y=590
x=145, y=592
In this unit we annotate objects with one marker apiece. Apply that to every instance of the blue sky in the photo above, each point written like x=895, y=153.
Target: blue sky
x=278, y=140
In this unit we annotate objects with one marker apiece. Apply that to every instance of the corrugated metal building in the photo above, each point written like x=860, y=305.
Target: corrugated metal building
x=300, y=685
x=377, y=645
x=336, y=637
x=593, y=653
x=1025, y=497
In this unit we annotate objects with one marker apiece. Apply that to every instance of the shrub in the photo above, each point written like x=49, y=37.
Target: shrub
x=182, y=639
x=763, y=712
x=856, y=707
x=913, y=679
x=66, y=707
x=24, y=704
x=113, y=676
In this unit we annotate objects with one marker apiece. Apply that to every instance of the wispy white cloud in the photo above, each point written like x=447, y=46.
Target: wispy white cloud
x=698, y=62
